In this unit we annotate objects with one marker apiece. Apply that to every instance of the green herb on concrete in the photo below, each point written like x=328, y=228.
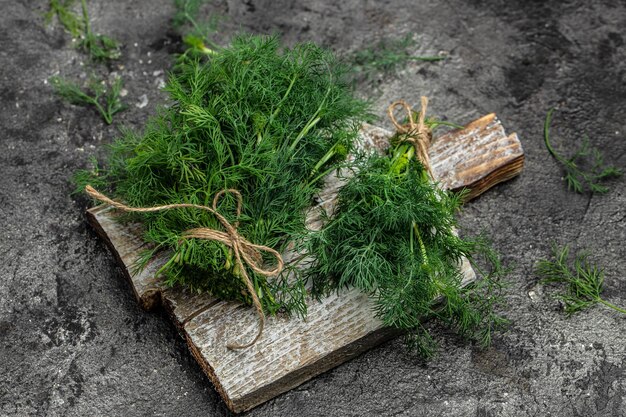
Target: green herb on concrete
x=70, y=21
x=386, y=56
x=100, y=48
x=578, y=178
x=583, y=280
x=104, y=97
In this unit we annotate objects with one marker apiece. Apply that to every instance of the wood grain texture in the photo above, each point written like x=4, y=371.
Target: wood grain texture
x=337, y=328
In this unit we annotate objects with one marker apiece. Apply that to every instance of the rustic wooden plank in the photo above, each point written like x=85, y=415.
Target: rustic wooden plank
x=126, y=244
x=337, y=328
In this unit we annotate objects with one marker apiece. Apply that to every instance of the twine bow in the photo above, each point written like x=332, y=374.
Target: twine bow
x=418, y=134
x=242, y=248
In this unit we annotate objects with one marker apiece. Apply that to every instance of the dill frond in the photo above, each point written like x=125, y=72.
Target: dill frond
x=584, y=281
x=577, y=178
x=386, y=56
x=70, y=21
x=105, y=99
x=100, y=48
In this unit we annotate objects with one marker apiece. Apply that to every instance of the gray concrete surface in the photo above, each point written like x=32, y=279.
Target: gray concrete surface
x=73, y=342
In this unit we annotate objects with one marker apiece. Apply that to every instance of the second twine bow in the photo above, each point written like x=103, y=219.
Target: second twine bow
x=418, y=134
x=243, y=250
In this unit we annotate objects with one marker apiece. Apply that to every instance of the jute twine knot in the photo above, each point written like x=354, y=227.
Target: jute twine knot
x=418, y=134
x=242, y=248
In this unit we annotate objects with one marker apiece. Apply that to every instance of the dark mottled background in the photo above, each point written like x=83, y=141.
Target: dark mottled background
x=72, y=339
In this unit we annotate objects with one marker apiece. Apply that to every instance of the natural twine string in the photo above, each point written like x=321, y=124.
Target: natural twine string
x=418, y=134
x=242, y=248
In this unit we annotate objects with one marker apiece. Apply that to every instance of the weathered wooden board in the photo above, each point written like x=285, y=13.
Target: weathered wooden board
x=338, y=328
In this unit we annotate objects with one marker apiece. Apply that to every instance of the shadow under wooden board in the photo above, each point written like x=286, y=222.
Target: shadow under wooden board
x=336, y=329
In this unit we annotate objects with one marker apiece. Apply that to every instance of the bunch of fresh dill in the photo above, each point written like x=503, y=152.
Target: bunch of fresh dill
x=254, y=117
x=392, y=235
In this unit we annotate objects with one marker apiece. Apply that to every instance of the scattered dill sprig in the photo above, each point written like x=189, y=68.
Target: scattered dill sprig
x=256, y=117
x=70, y=21
x=100, y=48
x=576, y=177
x=583, y=279
x=196, y=33
x=392, y=235
x=105, y=98
x=386, y=56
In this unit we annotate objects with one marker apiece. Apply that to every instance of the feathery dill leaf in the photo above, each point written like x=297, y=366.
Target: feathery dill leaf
x=106, y=99
x=70, y=21
x=386, y=56
x=584, y=280
x=578, y=178
x=254, y=117
x=100, y=48
x=392, y=236
x=195, y=32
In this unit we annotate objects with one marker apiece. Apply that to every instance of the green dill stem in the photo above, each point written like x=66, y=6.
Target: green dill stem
x=610, y=305
x=83, y=6
x=105, y=114
x=327, y=157
x=421, y=243
x=402, y=154
x=315, y=118
x=546, y=137
x=426, y=58
x=321, y=175
x=310, y=125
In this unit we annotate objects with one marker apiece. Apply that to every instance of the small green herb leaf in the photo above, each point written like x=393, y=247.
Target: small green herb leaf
x=106, y=100
x=584, y=281
x=70, y=21
x=576, y=177
x=386, y=56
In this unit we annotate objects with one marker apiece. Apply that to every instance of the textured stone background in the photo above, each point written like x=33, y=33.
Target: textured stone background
x=73, y=342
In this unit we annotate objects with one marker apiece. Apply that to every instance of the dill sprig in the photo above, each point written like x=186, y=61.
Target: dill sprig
x=255, y=117
x=386, y=56
x=105, y=99
x=392, y=235
x=70, y=21
x=576, y=177
x=584, y=281
x=196, y=33
x=100, y=48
